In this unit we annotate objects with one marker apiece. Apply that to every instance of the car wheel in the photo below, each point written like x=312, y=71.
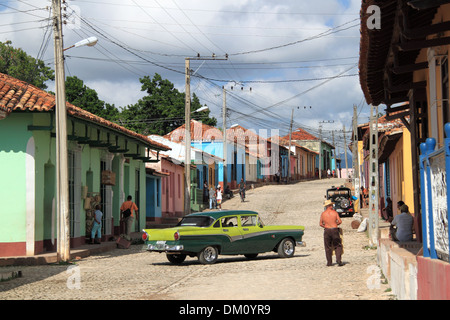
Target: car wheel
x=286, y=248
x=208, y=255
x=251, y=255
x=176, y=258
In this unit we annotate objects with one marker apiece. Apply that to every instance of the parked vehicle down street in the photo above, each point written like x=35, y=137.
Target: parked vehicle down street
x=135, y=274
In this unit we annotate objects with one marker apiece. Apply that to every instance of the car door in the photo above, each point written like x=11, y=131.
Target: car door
x=252, y=234
x=230, y=228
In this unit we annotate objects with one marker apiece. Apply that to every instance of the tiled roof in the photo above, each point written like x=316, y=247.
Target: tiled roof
x=301, y=134
x=283, y=141
x=17, y=95
x=379, y=49
x=199, y=131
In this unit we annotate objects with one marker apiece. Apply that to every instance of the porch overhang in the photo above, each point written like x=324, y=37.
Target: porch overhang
x=388, y=55
x=387, y=145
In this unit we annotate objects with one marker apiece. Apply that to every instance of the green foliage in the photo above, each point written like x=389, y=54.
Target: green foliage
x=159, y=112
x=18, y=64
x=162, y=110
x=86, y=98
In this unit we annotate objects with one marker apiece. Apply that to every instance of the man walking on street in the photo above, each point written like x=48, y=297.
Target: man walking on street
x=242, y=190
x=127, y=210
x=329, y=220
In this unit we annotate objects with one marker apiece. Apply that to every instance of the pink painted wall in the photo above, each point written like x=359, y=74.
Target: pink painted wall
x=172, y=196
x=433, y=279
x=172, y=188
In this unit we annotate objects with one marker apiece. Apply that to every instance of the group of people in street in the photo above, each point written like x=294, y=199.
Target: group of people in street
x=401, y=229
x=215, y=195
x=128, y=212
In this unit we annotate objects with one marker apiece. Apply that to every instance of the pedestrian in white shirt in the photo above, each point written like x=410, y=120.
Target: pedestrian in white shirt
x=219, y=197
x=402, y=226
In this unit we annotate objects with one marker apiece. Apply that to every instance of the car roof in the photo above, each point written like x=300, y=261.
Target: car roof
x=222, y=213
x=338, y=188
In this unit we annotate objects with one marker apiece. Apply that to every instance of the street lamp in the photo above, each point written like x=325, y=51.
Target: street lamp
x=90, y=42
x=62, y=171
x=204, y=108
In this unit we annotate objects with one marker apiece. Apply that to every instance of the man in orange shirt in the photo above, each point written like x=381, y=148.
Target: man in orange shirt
x=128, y=218
x=329, y=220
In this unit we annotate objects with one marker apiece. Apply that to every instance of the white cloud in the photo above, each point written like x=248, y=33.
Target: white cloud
x=137, y=37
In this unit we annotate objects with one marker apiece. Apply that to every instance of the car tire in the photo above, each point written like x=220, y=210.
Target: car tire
x=286, y=248
x=251, y=255
x=176, y=258
x=208, y=255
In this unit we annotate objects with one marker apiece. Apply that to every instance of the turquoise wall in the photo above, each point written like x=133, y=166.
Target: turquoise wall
x=13, y=144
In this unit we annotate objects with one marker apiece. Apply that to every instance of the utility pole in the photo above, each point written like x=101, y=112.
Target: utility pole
x=290, y=141
x=62, y=176
x=187, y=136
x=345, y=152
x=334, y=155
x=224, y=125
x=320, y=151
x=356, y=180
x=373, y=178
x=187, y=139
x=338, y=174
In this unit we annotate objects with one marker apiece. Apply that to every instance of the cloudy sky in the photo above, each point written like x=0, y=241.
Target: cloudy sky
x=282, y=55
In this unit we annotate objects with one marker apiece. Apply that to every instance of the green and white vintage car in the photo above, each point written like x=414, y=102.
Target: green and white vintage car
x=208, y=234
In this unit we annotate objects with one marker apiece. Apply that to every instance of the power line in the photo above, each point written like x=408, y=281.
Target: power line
x=322, y=34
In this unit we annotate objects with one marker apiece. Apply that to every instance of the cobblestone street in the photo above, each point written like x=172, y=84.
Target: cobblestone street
x=136, y=274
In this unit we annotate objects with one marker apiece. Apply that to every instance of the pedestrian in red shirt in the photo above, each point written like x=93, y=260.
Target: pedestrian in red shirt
x=329, y=220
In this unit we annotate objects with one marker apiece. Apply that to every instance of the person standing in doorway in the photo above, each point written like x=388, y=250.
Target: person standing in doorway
x=205, y=193
x=212, y=198
x=97, y=226
x=127, y=211
x=329, y=220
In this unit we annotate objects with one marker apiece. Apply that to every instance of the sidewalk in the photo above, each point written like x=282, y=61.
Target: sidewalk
x=50, y=257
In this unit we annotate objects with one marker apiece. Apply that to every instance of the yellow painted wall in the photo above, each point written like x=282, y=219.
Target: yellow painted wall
x=408, y=196
x=400, y=167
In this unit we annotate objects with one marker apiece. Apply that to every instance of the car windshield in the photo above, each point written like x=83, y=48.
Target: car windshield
x=197, y=221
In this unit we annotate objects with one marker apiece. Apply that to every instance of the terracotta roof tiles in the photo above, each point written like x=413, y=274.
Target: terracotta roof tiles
x=17, y=95
x=301, y=134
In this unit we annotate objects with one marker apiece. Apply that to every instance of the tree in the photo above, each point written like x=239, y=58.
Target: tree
x=162, y=110
x=80, y=95
x=18, y=64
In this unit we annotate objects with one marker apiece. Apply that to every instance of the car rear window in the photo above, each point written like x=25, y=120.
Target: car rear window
x=198, y=221
x=339, y=192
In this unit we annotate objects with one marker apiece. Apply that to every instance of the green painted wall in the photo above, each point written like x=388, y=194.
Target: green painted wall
x=15, y=136
x=13, y=143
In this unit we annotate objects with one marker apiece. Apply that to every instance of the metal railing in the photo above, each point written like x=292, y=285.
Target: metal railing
x=435, y=195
